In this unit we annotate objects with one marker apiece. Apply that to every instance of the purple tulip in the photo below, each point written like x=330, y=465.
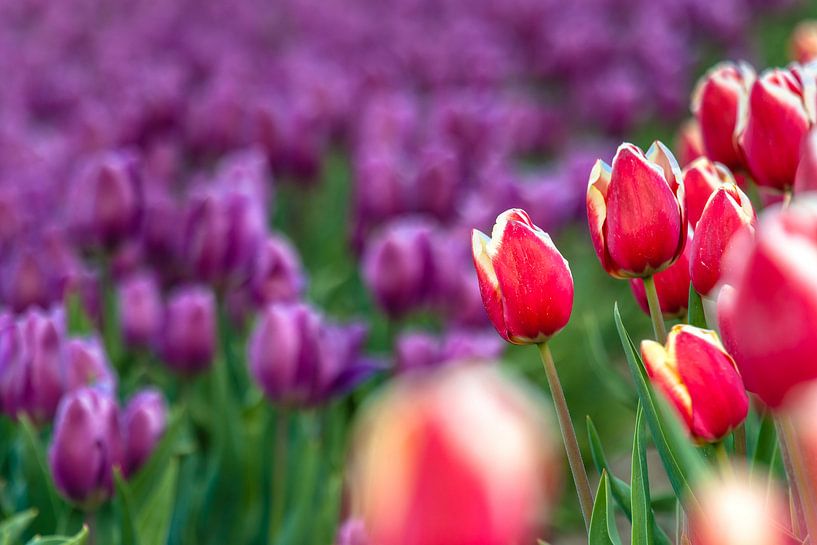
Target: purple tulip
x=86, y=364
x=143, y=424
x=85, y=446
x=420, y=350
x=187, y=337
x=277, y=275
x=140, y=309
x=300, y=359
x=26, y=280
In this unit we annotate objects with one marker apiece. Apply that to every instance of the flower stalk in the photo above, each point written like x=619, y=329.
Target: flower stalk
x=658, y=325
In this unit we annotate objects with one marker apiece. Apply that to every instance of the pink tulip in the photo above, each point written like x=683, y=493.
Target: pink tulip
x=701, y=179
x=689, y=143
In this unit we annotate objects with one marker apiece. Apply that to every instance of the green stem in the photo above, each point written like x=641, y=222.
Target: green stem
x=723, y=458
x=739, y=436
x=574, y=456
x=90, y=523
x=110, y=315
x=801, y=496
x=655, y=310
x=787, y=197
x=278, y=483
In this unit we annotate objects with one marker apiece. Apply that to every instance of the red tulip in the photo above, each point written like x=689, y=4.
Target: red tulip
x=716, y=102
x=526, y=285
x=727, y=211
x=700, y=379
x=460, y=457
x=689, y=143
x=806, y=177
x=672, y=286
x=771, y=317
x=701, y=178
x=637, y=223
x=802, y=407
x=803, y=42
x=780, y=111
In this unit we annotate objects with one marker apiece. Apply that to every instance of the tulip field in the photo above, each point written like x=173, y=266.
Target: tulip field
x=408, y=272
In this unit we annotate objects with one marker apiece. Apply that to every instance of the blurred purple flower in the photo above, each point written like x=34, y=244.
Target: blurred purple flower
x=86, y=364
x=140, y=309
x=143, y=424
x=419, y=350
x=187, y=336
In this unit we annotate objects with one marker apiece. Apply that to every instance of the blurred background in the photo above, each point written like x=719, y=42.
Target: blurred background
x=338, y=152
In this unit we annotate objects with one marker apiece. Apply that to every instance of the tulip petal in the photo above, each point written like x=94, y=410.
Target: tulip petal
x=660, y=154
x=663, y=372
x=597, y=212
x=488, y=283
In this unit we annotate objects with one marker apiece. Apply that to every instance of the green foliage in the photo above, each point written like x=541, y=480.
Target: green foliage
x=603, y=529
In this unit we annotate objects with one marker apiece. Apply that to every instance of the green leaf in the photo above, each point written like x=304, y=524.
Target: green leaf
x=680, y=459
x=153, y=519
x=39, y=483
x=78, y=321
x=642, y=518
x=603, y=529
x=124, y=505
x=150, y=475
x=13, y=527
x=695, y=309
x=80, y=538
x=766, y=442
x=603, y=368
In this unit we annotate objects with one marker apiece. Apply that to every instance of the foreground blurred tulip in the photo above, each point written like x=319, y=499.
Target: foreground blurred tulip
x=803, y=42
x=739, y=511
x=689, y=144
x=728, y=211
x=352, y=532
x=700, y=378
x=672, y=286
x=701, y=179
x=806, y=178
x=187, y=337
x=143, y=424
x=798, y=423
x=140, y=309
x=85, y=447
x=526, y=285
x=637, y=222
x=716, y=103
x=780, y=112
x=300, y=359
x=86, y=364
x=465, y=442
x=773, y=282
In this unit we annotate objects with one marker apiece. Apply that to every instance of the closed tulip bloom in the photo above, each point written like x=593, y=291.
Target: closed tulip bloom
x=773, y=281
x=26, y=279
x=140, y=309
x=716, y=103
x=780, y=113
x=635, y=213
x=31, y=368
x=689, y=143
x=277, y=274
x=86, y=446
x=467, y=442
x=86, y=364
x=187, y=337
x=525, y=283
x=739, y=511
x=701, y=179
x=672, y=286
x=803, y=42
x=806, y=177
x=300, y=359
x=700, y=379
x=143, y=424
x=727, y=211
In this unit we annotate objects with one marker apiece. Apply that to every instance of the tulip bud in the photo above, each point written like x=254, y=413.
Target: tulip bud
x=187, y=336
x=716, y=102
x=85, y=447
x=739, y=511
x=806, y=178
x=637, y=223
x=803, y=42
x=277, y=275
x=26, y=280
x=31, y=379
x=701, y=179
x=771, y=274
x=700, y=379
x=689, y=143
x=780, y=112
x=140, y=309
x=143, y=424
x=86, y=364
x=672, y=286
x=466, y=441
x=397, y=267
x=300, y=359
x=104, y=203
x=525, y=283
x=727, y=211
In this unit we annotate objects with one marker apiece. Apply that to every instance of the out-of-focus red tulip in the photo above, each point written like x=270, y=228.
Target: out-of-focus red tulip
x=526, y=285
x=806, y=177
x=727, y=211
x=739, y=511
x=801, y=408
x=672, y=286
x=701, y=179
x=780, y=111
x=459, y=457
x=716, y=103
x=689, y=142
x=771, y=316
x=700, y=379
x=803, y=42
x=637, y=222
